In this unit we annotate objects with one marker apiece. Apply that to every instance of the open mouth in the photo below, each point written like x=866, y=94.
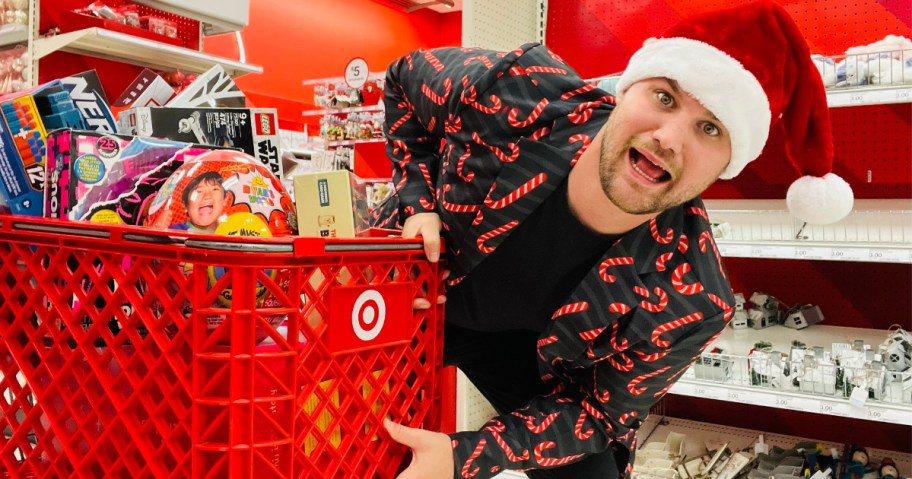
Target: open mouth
x=206, y=209
x=646, y=168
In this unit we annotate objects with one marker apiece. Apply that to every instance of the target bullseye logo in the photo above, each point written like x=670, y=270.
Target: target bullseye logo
x=368, y=315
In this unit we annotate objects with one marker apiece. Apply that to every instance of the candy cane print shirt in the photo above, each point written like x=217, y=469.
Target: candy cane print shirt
x=483, y=138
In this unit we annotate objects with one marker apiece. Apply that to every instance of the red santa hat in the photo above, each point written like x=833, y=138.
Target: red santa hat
x=751, y=67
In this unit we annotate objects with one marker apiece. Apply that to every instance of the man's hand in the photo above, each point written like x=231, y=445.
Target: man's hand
x=426, y=225
x=432, y=454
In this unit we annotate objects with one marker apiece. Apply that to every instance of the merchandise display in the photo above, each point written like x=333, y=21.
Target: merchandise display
x=331, y=204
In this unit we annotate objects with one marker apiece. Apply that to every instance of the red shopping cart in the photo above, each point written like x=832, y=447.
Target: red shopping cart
x=130, y=353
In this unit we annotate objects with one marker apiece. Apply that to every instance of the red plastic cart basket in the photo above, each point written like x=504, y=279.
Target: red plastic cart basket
x=108, y=368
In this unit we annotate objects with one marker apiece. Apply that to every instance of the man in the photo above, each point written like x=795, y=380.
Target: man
x=585, y=279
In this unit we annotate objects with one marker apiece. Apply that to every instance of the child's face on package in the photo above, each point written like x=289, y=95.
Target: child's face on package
x=206, y=204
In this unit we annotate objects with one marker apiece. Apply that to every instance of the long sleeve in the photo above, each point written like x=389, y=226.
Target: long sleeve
x=591, y=407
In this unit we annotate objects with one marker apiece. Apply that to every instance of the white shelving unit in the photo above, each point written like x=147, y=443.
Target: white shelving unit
x=13, y=34
x=876, y=231
x=101, y=43
x=737, y=389
x=869, y=95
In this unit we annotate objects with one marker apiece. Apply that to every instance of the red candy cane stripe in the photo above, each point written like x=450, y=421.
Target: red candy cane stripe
x=455, y=281
x=495, y=427
x=460, y=165
x=541, y=69
x=683, y=243
x=543, y=425
x=652, y=357
x=718, y=301
x=591, y=334
x=579, y=91
x=626, y=366
x=578, y=429
x=662, y=259
x=427, y=177
x=452, y=125
x=619, y=308
x=678, y=282
x=468, y=471
x=427, y=205
x=540, y=133
x=571, y=308
x=434, y=97
x=672, y=325
x=580, y=137
x=654, y=229
x=400, y=122
x=592, y=410
x=603, y=269
x=695, y=210
x=652, y=307
x=457, y=208
x=632, y=385
x=543, y=342
x=582, y=113
x=618, y=346
x=433, y=60
x=490, y=110
x=516, y=194
x=479, y=58
x=536, y=112
x=603, y=396
x=514, y=149
x=624, y=417
x=550, y=461
x=706, y=237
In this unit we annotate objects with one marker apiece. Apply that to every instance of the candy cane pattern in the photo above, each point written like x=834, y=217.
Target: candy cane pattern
x=583, y=112
x=433, y=96
x=706, y=237
x=652, y=357
x=683, y=243
x=468, y=471
x=617, y=346
x=591, y=334
x=540, y=133
x=514, y=149
x=427, y=177
x=541, y=69
x=496, y=427
x=433, y=60
x=678, y=283
x=404, y=118
x=543, y=425
x=455, y=281
x=632, y=385
x=654, y=229
x=544, y=342
x=516, y=194
x=578, y=429
x=580, y=137
x=603, y=269
x=536, y=112
x=619, y=308
x=469, y=96
x=550, y=461
x=460, y=165
x=452, y=125
x=652, y=307
x=672, y=325
x=625, y=366
x=571, y=308
x=603, y=396
x=662, y=259
x=479, y=58
x=454, y=207
x=579, y=91
x=696, y=210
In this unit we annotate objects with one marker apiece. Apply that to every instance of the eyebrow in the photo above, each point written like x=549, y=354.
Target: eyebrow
x=677, y=89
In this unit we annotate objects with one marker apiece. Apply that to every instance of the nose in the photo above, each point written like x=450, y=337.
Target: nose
x=669, y=135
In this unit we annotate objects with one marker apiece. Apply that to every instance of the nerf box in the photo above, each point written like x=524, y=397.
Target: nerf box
x=251, y=130
x=331, y=204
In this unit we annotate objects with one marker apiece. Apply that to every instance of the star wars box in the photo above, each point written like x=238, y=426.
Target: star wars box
x=331, y=204
x=251, y=130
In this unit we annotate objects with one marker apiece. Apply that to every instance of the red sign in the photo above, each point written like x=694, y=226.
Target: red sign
x=370, y=316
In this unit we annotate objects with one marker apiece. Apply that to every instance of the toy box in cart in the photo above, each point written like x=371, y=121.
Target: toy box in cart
x=184, y=399
x=252, y=130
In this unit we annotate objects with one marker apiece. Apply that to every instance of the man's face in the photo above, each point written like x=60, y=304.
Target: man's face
x=660, y=148
x=206, y=204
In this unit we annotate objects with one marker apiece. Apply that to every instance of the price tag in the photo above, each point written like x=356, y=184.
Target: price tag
x=825, y=408
x=356, y=73
x=856, y=98
x=848, y=254
x=806, y=405
x=812, y=252
x=767, y=252
x=714, y=393
x=890, y=255
x=734, y=250
x=893, y=416
x=875, y=414
x=903, y=94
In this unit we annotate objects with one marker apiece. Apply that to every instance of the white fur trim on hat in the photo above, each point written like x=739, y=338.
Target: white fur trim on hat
x=719, y=82
x=820, y=200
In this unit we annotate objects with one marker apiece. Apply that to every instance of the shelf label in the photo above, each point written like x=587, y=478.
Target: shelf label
x=890, y=255
x=356, y=73
x=848, y=254
x=768, y=252
x=903, y=94
x=812, y=252
x=806, y=405
x=734, y=250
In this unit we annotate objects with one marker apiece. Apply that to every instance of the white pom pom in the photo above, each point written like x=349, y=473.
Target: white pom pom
x=820, y=200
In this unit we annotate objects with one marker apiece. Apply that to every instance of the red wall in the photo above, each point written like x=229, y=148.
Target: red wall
x=294, y=41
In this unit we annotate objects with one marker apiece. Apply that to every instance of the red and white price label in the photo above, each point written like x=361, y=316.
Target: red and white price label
x=356, y=73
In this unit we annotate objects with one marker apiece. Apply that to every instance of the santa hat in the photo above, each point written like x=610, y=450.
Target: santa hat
x=751, y=67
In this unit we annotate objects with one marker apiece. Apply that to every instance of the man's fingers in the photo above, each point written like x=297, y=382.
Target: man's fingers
x=431, y=238
x=402, y=434
x=421, y=303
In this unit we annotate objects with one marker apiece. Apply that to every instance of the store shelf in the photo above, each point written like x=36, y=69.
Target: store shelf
x=217, y=16
x=13, y=34
x=332, y=144
x=354, y=109
x=737, y=389
x=656, y=429
x=876, y=231
x=872, y=95
x=338, y=80
x=102, y=43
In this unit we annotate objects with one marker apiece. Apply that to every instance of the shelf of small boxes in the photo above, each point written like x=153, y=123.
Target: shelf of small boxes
x=876, y=231
x=669, y=445
x=882, y=75
x=807, y=378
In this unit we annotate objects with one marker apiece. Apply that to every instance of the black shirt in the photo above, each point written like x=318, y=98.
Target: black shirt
x=531, y=273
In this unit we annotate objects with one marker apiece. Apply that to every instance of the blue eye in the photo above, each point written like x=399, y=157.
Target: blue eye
x=665, y=98
x=711, y=129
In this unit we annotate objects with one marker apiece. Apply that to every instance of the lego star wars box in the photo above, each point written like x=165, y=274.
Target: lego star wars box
x=331, y=204
x=251, y=130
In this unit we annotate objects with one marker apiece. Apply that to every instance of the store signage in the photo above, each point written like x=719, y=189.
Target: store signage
x=366, y=317
x=356, y=73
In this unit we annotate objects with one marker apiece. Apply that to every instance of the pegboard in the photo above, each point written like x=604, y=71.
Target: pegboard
x=500, y=24
x=597, y=37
